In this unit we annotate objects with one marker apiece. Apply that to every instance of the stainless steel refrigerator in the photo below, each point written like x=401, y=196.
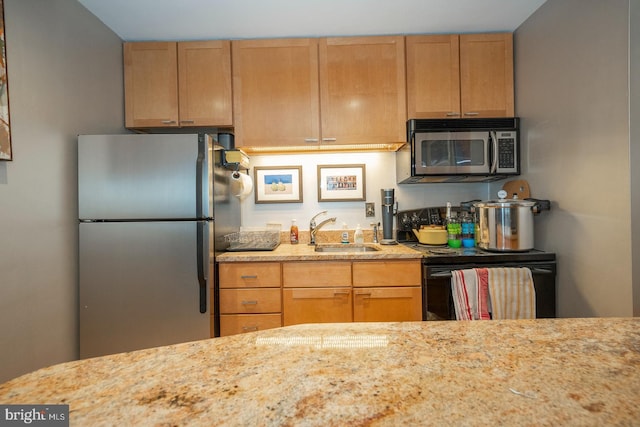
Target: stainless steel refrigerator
x=153, y=210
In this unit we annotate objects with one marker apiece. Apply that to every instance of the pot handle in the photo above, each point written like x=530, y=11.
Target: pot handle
x=541, y=205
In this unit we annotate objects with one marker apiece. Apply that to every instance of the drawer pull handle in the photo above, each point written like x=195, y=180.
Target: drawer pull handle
x=168, y=122
x=363, y=294
x=253, y=302
x=471, y=113
x=255, y=276
x=250, y=328
x=452, y=114
x=337, y=293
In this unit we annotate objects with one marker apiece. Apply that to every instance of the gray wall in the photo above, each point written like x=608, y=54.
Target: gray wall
x=634, y=139
x=65, y=78
x=572, y=74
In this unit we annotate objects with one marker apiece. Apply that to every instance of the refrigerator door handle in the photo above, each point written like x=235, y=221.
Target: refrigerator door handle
x=202, y=177
x=203, y=262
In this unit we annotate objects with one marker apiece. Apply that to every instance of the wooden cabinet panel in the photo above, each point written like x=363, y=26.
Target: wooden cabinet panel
x=250, y=301
x=205, y=83
x=316, y=305
x=232, y=324
x=451, y=76
x=169, y=84
x=276, y=94
x=363, y=89
x=387, y=273
x=433, y=76
x=316, y=274
x=151, y=84
x=249, y=274
x=486, y=75
x=398, y=304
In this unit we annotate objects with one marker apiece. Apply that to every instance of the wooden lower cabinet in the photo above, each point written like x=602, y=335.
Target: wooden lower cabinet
x=232, y=324
x=250, y=297
x=316, y=305
x=393, y=304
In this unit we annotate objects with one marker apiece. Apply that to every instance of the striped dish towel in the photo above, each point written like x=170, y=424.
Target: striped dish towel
x=470, y=295
x=511, y=293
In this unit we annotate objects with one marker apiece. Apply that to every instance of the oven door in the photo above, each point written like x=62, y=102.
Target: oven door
x=438, y=302
x=451, y=153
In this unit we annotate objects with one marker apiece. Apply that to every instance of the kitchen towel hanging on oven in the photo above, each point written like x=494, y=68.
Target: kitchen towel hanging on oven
x=470, y=294
x=511, y=293
x=493, y=293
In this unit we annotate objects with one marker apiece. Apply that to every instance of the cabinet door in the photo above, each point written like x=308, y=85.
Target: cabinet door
x=433, y=76
x=316, y=305
x=151, y=84
x=232, y=324
x=363, y=90
x=275, y=92
x=205, y=83
x=398, y=304
x=387, y=273
x=486, y=75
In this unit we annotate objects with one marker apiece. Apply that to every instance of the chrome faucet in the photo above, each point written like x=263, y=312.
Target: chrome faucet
x=313, y=228
x=375, y=231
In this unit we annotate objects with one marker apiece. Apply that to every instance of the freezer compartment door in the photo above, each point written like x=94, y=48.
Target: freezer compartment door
x=140, y=285
x=144, y=176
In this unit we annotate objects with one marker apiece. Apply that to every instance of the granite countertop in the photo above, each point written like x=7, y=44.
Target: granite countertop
x=501, y=372
x=305, y=252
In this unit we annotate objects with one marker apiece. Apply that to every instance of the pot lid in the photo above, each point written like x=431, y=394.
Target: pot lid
x=503, y=202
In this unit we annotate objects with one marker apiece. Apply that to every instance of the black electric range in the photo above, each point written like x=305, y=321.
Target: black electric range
x=439, y=261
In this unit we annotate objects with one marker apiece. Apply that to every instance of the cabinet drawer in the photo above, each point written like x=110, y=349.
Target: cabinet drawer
x=317, y=305
x=250, y=301
x=316, y=274
x=232, y=324
x=249, y=275
x=387, y=273
x=398, y=304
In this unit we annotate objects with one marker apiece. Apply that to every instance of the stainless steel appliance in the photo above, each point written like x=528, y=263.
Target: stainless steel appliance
x=459, y=150
x=147, y=238
x=439, y=261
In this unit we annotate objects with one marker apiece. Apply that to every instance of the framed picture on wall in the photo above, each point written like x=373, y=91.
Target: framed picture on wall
x=5, y=128
x=341, y=183
x=278, y=184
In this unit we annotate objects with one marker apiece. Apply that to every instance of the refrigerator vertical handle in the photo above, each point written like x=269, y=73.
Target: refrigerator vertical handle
x=203, y=262
x=202, y=177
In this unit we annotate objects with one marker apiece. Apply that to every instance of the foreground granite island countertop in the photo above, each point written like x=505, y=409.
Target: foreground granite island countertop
x=513, y=372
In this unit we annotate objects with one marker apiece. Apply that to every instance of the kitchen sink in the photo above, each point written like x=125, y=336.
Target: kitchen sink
x=345, y=247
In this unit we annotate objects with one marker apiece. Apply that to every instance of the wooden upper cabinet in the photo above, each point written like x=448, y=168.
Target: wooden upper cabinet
x=204, y=76
x=486, y=75
x=169, y=84
x=151, y=84
x=451, y=76
x=363, y=90
x=276, y=95
x=433, y=76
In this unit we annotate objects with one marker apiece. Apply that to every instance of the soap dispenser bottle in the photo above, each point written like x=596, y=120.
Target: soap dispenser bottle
x=345, y=234
x=358, y=236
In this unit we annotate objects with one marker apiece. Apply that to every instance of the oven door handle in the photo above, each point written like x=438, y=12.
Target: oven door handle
x=448, y=273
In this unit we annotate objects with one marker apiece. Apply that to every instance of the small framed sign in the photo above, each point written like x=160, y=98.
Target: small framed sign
x=278, y=184
x=341, y=183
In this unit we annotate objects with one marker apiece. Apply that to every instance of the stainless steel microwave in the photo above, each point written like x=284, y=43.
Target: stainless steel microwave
x=459, y=150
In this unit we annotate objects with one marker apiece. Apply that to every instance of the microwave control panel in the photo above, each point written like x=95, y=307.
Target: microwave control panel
x=507, y=152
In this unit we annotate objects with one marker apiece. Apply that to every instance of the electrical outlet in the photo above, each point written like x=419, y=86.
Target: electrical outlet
x=370, y=209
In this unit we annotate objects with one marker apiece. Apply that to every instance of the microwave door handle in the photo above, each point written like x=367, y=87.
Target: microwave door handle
x=494, y=146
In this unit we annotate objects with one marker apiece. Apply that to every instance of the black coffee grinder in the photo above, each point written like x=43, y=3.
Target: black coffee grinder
x=388, y=211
